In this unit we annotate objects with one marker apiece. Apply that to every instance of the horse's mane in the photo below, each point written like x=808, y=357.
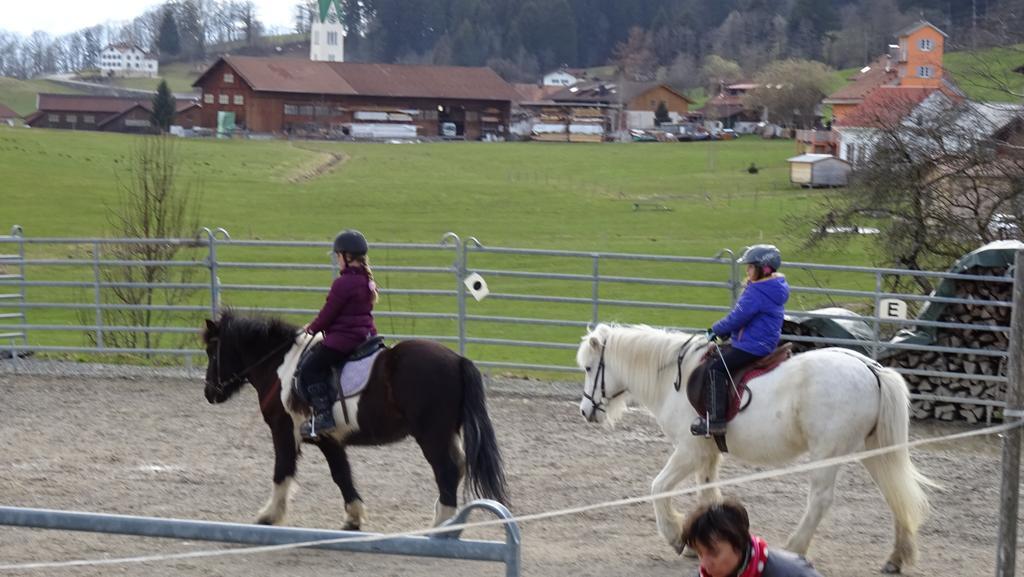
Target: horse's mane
x=253, y=331
x=643, y=353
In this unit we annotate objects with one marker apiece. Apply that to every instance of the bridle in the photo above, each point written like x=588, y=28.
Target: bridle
x=604, y=399
x=237, y=378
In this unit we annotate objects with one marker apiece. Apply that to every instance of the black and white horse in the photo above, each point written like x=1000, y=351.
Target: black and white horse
x=418, y=388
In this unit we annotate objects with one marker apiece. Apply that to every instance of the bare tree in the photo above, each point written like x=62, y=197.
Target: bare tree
x=635, y=57
x=152, y=204
x=938, y=182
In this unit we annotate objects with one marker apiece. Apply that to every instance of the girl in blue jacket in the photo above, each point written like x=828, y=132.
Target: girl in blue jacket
x=755, y=327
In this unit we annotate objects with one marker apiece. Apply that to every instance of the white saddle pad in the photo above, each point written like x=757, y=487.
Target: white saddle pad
x=355, y=375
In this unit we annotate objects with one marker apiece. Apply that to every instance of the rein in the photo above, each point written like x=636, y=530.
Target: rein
x=238, y=377
x=679, y=362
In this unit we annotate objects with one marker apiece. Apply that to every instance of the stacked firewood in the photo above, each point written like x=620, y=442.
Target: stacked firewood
x=979, y=314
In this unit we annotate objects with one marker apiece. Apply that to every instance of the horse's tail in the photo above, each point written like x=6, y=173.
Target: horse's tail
x=485, y=471
x=896, y=476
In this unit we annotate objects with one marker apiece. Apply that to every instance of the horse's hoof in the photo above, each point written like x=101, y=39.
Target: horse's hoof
x=891, y=568
x=264, y=521
x=350, y=526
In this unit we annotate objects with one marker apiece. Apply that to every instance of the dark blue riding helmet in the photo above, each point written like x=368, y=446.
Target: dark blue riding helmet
x=762, y=255
x=352, y=242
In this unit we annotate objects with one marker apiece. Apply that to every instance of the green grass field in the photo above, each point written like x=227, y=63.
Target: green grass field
x=20, y=95
x=179, y=77
x=688, y=199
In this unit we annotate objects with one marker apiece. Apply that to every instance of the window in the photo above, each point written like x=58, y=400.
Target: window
x=924, y=71
x=926, y=44
x=229, y=78
x=291, y=110
x=239, y=100
x=71, y=118
x=137, y=122
x=208, y=98
x=223, y=99
x=316, y=38
x=306, y=110
x=89, y=119
x=332, y=38
x=53, y=118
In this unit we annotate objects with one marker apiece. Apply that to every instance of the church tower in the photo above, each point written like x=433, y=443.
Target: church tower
x=327, y=36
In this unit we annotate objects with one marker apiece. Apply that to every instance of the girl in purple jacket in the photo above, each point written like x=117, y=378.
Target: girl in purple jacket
x=346, y=320
x=755, y=327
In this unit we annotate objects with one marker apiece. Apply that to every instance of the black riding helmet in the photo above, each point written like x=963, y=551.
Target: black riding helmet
x=762, y=255
x=351, y=241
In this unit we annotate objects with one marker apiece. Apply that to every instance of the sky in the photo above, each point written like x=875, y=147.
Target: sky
x=63, y=16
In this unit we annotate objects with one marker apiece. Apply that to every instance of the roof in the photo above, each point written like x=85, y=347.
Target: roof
x=124, y=47
x=813, y=158
x=871, y=77
x=917, y=26
x=89, y=103
x=117, y=106
x=6, y=112
x=611, y=91
x=530, y=93
x=887, y=106
x=302, y=76
x=325, y=8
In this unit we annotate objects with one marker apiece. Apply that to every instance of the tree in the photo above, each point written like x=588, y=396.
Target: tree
x=935, y=181
x=191, y=29
x=718, y=72
x=661, y=114
x=163, y=107
x=791, y=91
x=152, y=204
x=169, y=41
x=635, y=58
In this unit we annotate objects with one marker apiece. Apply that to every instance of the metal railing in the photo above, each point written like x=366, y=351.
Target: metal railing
x=448, y=545
x=540, y=301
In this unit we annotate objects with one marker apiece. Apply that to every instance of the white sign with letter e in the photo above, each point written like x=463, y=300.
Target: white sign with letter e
x=892, y=309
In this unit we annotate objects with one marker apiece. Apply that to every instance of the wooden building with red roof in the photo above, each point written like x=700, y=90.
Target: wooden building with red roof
x=105, y=113
x=306, y=98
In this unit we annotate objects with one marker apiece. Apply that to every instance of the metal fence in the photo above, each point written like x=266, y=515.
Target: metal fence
x=89, y=296
x=447, y=545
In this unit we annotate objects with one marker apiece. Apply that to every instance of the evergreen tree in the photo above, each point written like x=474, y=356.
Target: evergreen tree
x=163, y=107
x=169, y=41
x=661, y=114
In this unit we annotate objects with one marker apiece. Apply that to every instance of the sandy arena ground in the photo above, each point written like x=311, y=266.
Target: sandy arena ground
x=148, y=446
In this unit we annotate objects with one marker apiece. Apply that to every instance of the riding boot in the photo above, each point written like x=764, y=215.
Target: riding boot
x=717, y=399
x=321, y=400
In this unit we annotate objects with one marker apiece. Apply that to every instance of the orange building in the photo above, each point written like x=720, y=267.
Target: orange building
x=916, y=61
x=920, y=58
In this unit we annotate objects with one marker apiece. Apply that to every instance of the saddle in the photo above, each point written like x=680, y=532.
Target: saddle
x=695, y=390
x=351, y=375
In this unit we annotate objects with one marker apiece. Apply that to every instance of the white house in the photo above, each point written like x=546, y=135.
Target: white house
x=327, y=36
x=127, y=59
x=560, y=77
x=964, y=122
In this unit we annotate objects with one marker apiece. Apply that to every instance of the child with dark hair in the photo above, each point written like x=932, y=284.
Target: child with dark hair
x=720, y=534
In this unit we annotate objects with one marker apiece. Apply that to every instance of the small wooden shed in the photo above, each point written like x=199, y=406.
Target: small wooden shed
x=818, y=170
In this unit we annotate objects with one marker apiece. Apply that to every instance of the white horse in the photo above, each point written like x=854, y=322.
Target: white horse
x=824, y=403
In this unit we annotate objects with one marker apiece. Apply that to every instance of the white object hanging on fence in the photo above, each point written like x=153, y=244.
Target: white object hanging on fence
x=477, y=286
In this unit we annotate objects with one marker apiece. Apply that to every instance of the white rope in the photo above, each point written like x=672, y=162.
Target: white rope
x=811, y=466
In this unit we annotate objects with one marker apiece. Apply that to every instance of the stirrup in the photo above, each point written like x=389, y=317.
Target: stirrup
x=702, y=428
x=309, y=430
